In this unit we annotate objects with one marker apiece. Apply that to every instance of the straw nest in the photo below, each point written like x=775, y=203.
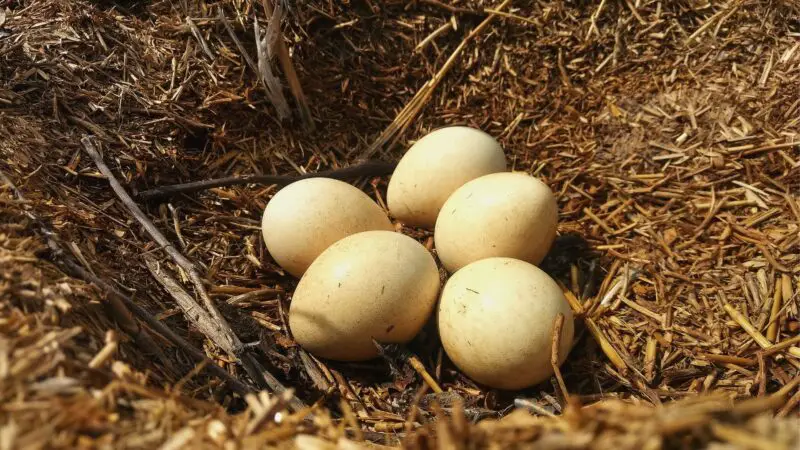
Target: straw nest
x=669, y=130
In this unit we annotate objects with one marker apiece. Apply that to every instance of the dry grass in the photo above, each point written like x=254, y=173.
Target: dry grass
x=669, y=129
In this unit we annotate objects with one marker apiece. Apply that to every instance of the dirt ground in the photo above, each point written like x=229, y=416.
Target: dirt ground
x=670, y=131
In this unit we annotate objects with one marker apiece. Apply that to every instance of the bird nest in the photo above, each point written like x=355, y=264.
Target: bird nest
x=135, y=318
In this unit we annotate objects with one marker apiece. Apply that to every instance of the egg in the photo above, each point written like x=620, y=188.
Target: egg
x=496, y=319
x=378, y=285
x=307, y=216
x=435, y=166
x=507, y=214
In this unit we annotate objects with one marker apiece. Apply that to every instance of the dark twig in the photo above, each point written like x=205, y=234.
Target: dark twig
x=366, y=169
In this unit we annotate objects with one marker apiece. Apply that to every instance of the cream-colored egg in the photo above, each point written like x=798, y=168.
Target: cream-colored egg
x=503, y=214
x=307, y=216
x=496, y=319
x=378, y=285
x=435, y=166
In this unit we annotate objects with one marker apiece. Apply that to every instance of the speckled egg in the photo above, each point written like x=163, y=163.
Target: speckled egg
x=508, y=214
x=307, y=216
x=496, y=319
x=377, y=285
x=435, y=166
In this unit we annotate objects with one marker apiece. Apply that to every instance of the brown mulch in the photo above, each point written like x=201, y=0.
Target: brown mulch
x=670, y=131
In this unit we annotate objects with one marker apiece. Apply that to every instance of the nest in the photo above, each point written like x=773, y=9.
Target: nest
x=668, y=130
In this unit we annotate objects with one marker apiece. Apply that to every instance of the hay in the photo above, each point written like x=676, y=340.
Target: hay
x=668, y=129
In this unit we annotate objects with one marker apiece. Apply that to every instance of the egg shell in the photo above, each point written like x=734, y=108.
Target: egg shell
x=435, y=166
x=375, y=284
x=507, y=214
x=307, y=216
x=496, y=319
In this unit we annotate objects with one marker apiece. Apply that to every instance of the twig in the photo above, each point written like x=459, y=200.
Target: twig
x=598, y=221
x=761, y=378
x=251, y=364
x=199, y=36
x=563, y=70
x=712, y=212
x=366, y=169
x=161, y=240
x=452, y=9
x=414, y=409
x=247, y=58
x=609, y=350
x=555, y=355
x=728, y=359
x=759, y=338
x=413, y=361
x=650, y=359
x=193, y=312
x=163, y=330
x=423, y=372
x=506, y=15
x=108, y=350
x=448, y=25
x=124, y=308
x=620, y=286
x=731, y=6
x=747, y=326
x=291, y=75
x=387, y=353
x=533, y=406
x=265, y=52
x=780, y=346
x=758, y=405
x=313, y=371
x=740, y=438
x=593, y=20
x=635, y=12
x=121, y=314
x=415, y=105
x=350, y=419
x=790, y=404
x=772, y=328
x=265, y=408
x=225, y=337
x=771, y=259
x=252, y=296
